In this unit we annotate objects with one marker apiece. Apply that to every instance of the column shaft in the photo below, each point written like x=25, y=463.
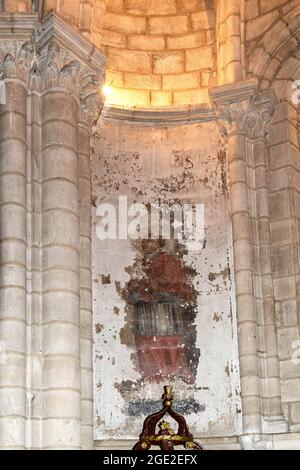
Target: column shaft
x=60, y=280
x=243, y=260
x=86, y=320
x=271, y=378
x=13, y=239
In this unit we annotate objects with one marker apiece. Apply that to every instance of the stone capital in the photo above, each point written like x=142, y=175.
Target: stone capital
x=67, y=60
x=50, y=54
x=16, y=59
x=242, y=108
x=90, y=106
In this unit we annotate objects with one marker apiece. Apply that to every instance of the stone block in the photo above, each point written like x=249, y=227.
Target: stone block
x=279, y=179
x=86, y=346
x=11, y=299
x=14, y=332
x=200, y=58
x=60, y=403
x=288, y=370
x=61, y=372
x=258, y=26
x=267, y=5
x=13, y=189
x=151, y=7
x=12, y=399
x=251, y=9
x=199, y=96
x=210, y=37
x=114, y=79
x=182, y=81
x=192, y=5
x=146, y=82
x=168, y=62
x=52, y=302
x=203, y=20
x=130, y=98
x=85, y=17
x=58, y=279
x=14, y=436
x=143, y=42
x=13, y=371
x=171, y=25
x=295, y=412
x=258, y=61
x=15, y=222
x=284, y=288
x=275, y=37
x=60, y=194
x=161, y=98
x=124, y=24
x=244, y=282
x=50, y=111
x=129, y=61
x=62, y=433
x=116, y=6
x=286, y=339
x=188, y=41
x=289, y=311
x=113, y=38
x=291, y=390
x=279, y=204
x=281, y=231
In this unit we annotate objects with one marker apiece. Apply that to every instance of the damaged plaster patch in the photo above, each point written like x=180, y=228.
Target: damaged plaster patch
x=146, y=407
x=163, y=312
x=98, y=328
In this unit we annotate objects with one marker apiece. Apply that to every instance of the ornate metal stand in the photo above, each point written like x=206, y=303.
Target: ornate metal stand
x=166, y=438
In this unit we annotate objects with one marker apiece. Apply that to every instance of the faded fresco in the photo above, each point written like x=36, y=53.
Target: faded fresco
x=164, y=314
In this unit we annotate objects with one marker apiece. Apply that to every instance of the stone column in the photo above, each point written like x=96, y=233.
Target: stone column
x=60, y=283
x=234, y=108
x=89, y=111
x=244, y=116
x=69, y=66
x=230, y=32
x=13, y=245
x=258, y=120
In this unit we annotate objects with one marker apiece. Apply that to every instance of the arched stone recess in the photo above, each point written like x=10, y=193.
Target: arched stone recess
x=275, y=62
x=284, y=197
x=271, y=48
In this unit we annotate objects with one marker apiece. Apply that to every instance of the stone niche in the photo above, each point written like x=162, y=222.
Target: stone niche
x=164, y=313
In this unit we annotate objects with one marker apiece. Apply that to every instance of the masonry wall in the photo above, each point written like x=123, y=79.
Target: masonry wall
x=159, y=53
x=271, y=25
x=284, y=184
x=147, y=163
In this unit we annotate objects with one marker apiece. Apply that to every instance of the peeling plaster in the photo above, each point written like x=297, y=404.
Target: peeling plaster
x=150, y=165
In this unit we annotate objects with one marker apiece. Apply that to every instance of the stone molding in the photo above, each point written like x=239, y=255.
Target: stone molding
x=161, y=116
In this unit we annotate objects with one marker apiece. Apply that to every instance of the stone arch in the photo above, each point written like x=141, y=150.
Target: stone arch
x=275, y=46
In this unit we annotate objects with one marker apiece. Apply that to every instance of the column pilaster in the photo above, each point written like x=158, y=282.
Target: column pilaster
x=244, y=116
x=15, y=58
x=71, y=76
x=90, y=110
x=233, y=113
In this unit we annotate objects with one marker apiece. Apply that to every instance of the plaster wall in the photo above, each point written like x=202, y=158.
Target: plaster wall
x=186, y=164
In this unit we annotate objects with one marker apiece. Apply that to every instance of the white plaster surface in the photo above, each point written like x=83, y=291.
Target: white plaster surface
x=143, y=163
